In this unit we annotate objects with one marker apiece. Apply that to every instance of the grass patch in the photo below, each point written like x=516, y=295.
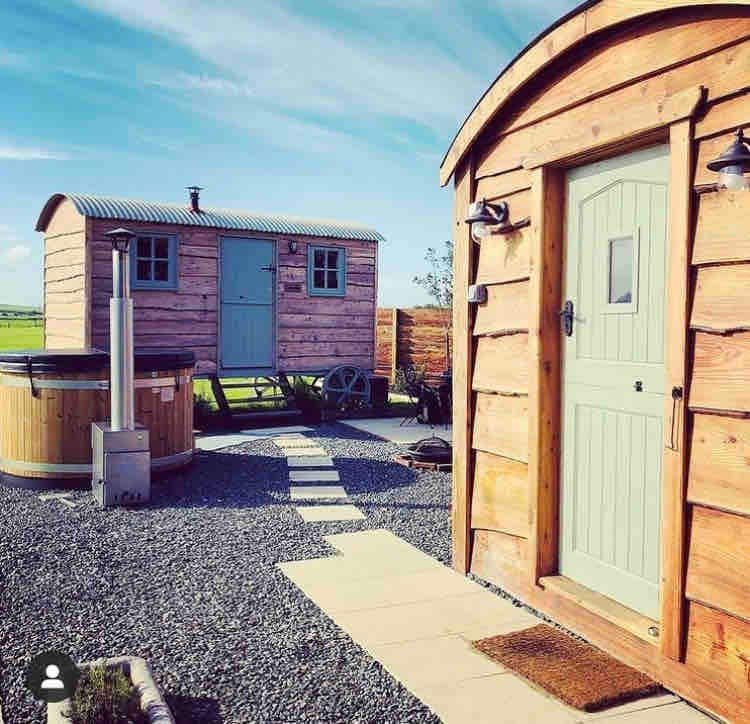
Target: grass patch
x=105, y=696
x=18, y=334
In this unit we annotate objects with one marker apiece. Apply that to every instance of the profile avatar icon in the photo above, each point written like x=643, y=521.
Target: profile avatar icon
x=52, y=676
x=53, y=680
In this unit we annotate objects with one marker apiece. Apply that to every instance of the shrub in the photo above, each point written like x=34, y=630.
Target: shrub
x=105, y=696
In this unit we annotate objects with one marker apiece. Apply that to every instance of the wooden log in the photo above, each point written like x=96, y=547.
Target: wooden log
x=498, y=186
x=720, y=463
x=327, y=334
x=719, y=560
x=721, y=372
x=500, y=499
x=506, y=310
x=724, y=116
x=718, y=235
x=502, y=364
x=721, y=302
x=322, y=363
x=501, y=426
x=297, y=320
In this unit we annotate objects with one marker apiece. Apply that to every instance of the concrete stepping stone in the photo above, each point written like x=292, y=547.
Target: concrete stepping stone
x=290, y=442
x=312, y=452
x=317, y=513
x=317, y=492
x=314, y=476
x=310, y=461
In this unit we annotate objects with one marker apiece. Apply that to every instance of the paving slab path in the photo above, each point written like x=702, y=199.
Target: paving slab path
x=418, y=618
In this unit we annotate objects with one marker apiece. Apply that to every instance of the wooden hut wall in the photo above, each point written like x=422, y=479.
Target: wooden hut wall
x=65, y=279
x=637, y=75
x=312, y=332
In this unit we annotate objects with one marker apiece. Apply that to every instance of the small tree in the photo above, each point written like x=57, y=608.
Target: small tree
x=438, y=283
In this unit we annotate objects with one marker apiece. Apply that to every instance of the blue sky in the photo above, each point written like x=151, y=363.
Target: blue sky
x=323, y=108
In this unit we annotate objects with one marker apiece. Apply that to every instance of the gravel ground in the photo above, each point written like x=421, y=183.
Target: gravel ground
x=190, y=583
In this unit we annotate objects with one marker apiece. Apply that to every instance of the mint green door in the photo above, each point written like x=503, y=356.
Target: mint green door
x=614, y=377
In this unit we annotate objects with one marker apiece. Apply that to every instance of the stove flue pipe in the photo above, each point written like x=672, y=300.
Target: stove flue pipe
x=121, y=376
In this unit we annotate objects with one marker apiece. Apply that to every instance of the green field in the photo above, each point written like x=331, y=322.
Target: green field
x=20, y=332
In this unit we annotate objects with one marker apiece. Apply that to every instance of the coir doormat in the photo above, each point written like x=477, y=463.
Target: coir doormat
x=575, y=672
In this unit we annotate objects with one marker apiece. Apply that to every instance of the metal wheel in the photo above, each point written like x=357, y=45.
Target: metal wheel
x=346, y=387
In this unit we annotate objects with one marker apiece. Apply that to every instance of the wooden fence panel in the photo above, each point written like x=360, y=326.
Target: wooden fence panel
x=421, y=338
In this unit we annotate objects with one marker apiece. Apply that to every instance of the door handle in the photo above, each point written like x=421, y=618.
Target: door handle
x=268, y=268
x=567, y=317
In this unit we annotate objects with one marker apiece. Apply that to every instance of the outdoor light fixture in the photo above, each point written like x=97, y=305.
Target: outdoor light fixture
x=483, y=216
x=121, y=457
x=733, y=165
x=293, y=246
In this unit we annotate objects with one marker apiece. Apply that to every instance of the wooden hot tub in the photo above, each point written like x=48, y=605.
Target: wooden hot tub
x=49, y=398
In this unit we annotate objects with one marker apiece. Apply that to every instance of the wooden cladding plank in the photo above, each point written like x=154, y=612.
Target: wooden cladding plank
x=501, y=426
x=718, y=646
x=640, y=51
x=722, y=117
x=614, y=126
x=721, y=372
x=500, y=185
x=500, y=499
x=505, y=311
x=504, y=258
x=500, y=559
x=502, y=364
x=722, y=303
x=464, y=259
x=719, y=561
x=720, y=233
x=614, y=108
x=720, y=463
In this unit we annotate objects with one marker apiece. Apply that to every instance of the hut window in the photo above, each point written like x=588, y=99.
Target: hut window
x=154, y=262
x=326, y=271
x=622, y=273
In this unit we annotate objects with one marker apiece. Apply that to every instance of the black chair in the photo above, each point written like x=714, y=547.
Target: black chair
x=413, y=387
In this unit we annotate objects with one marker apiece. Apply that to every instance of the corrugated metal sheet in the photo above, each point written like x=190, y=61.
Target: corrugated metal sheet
x=101, y=207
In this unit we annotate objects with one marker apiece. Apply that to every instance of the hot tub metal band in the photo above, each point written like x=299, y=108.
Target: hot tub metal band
x=16, y=381
x=85, y=468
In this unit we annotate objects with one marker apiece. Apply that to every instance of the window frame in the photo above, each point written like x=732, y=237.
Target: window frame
x=630, y=307
x=312, y=290
x=172, y=282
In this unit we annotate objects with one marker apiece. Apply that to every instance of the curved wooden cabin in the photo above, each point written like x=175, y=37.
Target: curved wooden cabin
x=48, y=400
x=604, y=477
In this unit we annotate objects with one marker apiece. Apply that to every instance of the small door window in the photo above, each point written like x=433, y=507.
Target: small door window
x=622, y=273
x=327, y=271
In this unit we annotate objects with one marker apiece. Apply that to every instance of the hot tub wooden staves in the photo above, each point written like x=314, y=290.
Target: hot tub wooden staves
x=604, y=477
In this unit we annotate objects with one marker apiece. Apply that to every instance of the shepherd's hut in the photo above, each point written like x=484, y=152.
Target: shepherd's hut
x=602, y=352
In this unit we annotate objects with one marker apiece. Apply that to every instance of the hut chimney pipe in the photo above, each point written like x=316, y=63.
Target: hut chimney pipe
x=195, y=198
x=121, y=373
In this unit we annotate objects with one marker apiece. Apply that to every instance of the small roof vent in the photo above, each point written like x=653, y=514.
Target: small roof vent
x=195, y=192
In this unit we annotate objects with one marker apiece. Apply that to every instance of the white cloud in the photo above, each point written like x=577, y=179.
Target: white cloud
x=26, y=153
x=285, y=63
x=15, y=254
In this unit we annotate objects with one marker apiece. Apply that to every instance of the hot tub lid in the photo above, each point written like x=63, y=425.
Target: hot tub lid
x=53, y=361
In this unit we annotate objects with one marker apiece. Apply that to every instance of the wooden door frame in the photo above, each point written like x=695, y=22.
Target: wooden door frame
x=548, y=188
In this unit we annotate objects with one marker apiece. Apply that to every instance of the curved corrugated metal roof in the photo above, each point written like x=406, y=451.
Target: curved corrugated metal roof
x=102, y=207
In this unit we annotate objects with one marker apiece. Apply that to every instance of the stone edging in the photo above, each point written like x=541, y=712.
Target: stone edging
x=152, y=701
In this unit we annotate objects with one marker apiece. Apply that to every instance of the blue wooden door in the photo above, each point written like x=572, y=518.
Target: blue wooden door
x=247, y=304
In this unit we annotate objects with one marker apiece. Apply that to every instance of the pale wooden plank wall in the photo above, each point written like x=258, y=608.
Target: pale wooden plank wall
x=312, y=332
x=65, y=279
x=653, y=58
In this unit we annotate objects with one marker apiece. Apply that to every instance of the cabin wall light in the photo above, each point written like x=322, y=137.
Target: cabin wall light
x=733, y=166
x=293, y=246
x=485, y=219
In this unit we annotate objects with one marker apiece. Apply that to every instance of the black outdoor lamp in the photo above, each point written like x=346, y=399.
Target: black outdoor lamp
x=120, y=238
x=293, y=246
x=483, y=216
x=733, y=165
